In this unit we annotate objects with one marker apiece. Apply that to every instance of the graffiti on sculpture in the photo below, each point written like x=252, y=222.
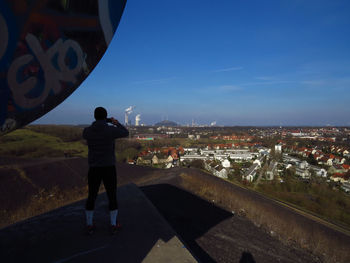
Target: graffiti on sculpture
x=47, y=48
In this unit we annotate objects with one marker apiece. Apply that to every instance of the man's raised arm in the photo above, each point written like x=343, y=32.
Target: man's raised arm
x=119, y=131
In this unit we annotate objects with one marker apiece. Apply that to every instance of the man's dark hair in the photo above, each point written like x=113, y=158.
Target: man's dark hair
x=100, y=113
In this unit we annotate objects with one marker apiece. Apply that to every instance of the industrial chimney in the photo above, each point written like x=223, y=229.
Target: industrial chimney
x=137, y=119
x=128, y=111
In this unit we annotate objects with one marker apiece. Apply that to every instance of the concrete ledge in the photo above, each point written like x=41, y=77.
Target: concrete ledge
x=59, y=236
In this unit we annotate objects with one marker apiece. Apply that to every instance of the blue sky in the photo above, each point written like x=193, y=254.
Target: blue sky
x=235, y=62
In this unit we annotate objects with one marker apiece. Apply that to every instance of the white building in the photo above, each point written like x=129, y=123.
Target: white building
x=304, y=165
x=207, y=152
x=270, y=174
x=241, y=156
x=191, y=157
x=278, y=148
x=346, y=187
x=221, y=172
x=220, y=157
x=251, y=173
x=303, y=173
x=191, y=136
x=226, y=163
x=319, y=171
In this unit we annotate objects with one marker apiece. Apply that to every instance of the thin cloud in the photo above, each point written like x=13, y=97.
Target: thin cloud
x=228, y=69
x=219, y=89
x=229, y=88
x=333, y=83
x=153, y=81
x=265, y=78
x=273, y=82
x=313, y=82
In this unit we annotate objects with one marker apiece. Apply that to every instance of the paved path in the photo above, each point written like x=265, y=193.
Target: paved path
x=59, y=236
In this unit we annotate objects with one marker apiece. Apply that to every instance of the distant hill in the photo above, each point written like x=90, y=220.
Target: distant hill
x=166, y=123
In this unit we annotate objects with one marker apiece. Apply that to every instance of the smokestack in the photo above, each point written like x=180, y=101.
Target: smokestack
x=128, y=111
x=126, y=118
x=137, y=119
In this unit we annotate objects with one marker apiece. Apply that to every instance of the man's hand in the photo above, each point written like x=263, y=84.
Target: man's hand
x=114, y=121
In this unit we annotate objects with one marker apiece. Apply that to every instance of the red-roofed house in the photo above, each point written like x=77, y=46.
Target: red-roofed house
x=340, y=177
x=346, y=167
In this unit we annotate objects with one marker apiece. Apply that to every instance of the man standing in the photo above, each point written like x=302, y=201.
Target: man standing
x=100, y=140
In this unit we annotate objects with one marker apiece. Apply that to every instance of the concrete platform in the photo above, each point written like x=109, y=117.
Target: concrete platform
x=59, y=236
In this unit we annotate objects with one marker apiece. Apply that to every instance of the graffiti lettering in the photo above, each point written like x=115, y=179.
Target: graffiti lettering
x=3, y=36
x=52, y=75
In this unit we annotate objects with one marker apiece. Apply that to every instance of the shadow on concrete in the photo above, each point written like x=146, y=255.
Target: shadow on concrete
x=190, y=216
x=247, y=257
x=59, y=236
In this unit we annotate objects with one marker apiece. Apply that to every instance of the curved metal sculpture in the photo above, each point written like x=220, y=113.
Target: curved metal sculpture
x=47, y=48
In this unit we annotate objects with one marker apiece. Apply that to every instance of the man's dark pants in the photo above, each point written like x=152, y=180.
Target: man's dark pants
x=109, y=177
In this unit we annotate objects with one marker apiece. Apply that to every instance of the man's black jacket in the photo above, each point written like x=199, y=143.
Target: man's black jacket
x=100, y=139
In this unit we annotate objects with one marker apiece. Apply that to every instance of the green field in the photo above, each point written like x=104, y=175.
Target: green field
x=318, y=197
x=36, y=142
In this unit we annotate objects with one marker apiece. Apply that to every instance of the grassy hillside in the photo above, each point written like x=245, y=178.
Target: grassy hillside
x=29, y=188
x=35, y=143
x=317, y=197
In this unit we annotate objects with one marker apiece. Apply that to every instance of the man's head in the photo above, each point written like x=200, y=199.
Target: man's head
x=100, y=113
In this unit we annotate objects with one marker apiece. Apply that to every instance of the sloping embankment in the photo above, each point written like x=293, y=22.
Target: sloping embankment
x=283, y=222
x=30, y=187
